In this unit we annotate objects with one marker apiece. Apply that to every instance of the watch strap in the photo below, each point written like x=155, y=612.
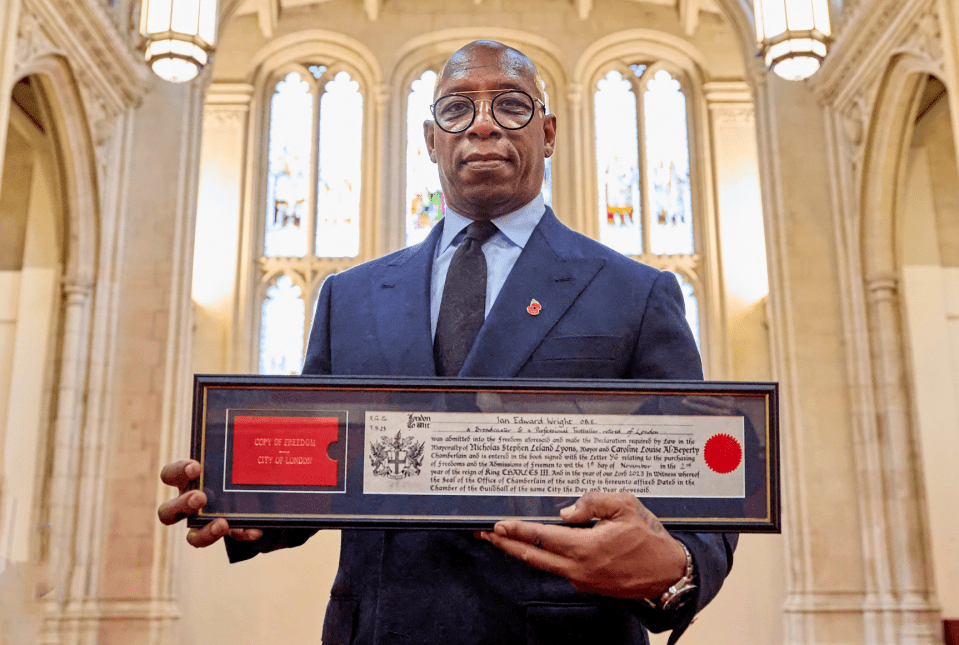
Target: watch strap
x=679, y=592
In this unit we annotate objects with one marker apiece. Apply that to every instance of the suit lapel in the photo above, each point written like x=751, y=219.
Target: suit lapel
x=401, y=298
x=548, y=271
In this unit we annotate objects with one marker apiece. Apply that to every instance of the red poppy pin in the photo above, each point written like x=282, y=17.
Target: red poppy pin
x=534, y=307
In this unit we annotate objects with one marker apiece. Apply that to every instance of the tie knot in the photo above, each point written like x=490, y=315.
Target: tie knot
x=480, y=231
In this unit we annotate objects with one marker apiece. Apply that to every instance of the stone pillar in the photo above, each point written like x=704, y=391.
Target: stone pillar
x=135, y=597
x=219, y=210
x=732, y=128
x=374, y=238
x=584, y=211
x=67, y=441
x=918, y=622
x=821, y=526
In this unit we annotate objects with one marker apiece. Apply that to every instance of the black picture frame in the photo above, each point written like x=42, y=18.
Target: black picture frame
x=249, y=498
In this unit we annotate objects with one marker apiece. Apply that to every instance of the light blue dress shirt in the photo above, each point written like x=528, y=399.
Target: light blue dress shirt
x=501, y=251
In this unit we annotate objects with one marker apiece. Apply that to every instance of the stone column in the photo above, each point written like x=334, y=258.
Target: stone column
x=376, y=240
x=741, y=349
x=59, y=543
x=918, y=618
x=134, y=600
x=219, y=210
x=584, y=212
x=821, y=526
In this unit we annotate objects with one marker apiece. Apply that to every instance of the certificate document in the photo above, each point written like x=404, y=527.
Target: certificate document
x=409, y=453
x=464, y=453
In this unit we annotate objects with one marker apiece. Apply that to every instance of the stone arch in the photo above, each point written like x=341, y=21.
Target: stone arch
x=903, y=578
x=77, y=159
x=317, y=42
x=74, y=155
x=889, y=132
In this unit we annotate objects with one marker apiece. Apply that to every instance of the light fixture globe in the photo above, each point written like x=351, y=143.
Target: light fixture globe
x=793, y=36
x=180, y=36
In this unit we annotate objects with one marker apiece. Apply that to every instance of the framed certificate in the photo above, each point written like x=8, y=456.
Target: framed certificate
x=358, y=452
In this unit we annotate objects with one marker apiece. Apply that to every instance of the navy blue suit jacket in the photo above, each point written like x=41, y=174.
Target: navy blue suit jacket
x=603, y=316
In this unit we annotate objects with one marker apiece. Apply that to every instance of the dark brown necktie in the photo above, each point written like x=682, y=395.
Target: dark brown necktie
x=463, y=307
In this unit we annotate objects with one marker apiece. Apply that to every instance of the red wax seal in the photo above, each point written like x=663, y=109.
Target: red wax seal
x=534, y=307
x=722, y=453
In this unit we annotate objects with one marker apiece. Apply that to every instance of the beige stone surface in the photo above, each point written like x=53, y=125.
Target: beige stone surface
x=828, y=254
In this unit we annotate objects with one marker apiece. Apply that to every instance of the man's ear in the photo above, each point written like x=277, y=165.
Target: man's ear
x=549, y=132
x=429, y=128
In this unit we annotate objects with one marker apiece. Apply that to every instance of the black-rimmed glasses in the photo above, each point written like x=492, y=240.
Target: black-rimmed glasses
x=512, y=109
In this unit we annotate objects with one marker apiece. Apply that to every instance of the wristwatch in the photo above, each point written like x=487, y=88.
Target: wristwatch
x=679, y=592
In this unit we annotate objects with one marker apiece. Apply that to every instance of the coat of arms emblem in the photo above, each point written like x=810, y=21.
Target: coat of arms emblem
x=396, y=457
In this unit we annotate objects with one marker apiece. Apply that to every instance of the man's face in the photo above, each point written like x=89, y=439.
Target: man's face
x=486, y=170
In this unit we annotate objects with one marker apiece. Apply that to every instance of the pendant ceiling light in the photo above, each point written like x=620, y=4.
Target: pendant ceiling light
x=793, y=35
x=180, y=35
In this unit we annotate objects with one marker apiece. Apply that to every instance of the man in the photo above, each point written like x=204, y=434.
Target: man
x=600, y=315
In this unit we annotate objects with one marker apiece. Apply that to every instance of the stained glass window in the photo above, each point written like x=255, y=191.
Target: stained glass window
x=281, y=328
x=644, y=185
x=425, y=203
x=667, y=166
x=617, y=164
x=338, y=185
x=313, y=189
x=288, y=191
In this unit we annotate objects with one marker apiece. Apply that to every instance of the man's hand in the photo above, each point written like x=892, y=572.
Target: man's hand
x=626, y=554
x=188, y=502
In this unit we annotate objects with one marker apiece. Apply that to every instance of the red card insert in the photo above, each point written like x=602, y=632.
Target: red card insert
x=284, y=451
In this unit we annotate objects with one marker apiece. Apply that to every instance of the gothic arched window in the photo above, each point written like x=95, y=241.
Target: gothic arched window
x=312, y=175
x=645, y=204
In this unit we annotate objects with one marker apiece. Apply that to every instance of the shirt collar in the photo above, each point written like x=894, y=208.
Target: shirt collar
x=516, y=226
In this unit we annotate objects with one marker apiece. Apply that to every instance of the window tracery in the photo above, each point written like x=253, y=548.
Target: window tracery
x=644, y=181
x=313, y=183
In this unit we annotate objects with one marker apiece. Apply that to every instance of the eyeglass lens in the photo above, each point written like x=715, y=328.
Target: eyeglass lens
x=512, y=110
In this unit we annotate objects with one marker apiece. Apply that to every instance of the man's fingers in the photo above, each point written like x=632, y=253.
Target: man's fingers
x=598, y=505
x=561, y=540
x=208, y=534
x=531, y=554
x=181, y=507
x=246, y=535
x=180, y=473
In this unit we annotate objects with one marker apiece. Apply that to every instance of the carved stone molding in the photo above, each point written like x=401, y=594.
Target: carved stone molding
x=861, y=52
x=381, y=95
x=109, y=73
x=730, y=103
x=924, y=39
x=733, y=114
x=32, y=41
x=882, y=287
x=223, y=117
